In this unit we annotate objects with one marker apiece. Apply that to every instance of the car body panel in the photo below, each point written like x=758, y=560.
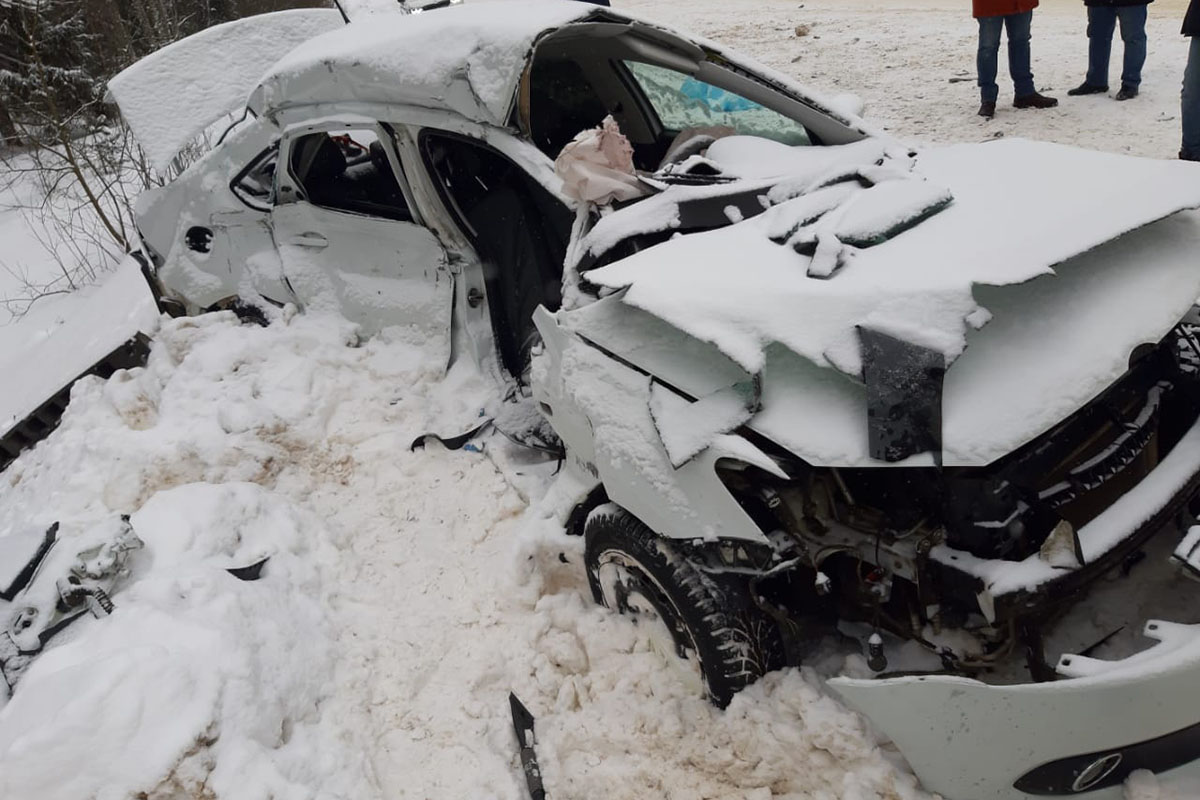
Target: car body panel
x=377, y=272
x=172, y=95
x=967, y=740
x=236, y=256
x=601, y=410
x=919, y=286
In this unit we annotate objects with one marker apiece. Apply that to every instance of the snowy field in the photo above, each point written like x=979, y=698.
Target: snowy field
x=407, y=593
x=913, y=62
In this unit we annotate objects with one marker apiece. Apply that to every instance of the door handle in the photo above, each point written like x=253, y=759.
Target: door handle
x=309, y=239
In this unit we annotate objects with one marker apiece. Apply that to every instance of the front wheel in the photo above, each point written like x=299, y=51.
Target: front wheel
x=708, y=621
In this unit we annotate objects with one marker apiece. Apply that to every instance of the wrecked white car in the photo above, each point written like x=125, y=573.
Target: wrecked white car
x=810, y=384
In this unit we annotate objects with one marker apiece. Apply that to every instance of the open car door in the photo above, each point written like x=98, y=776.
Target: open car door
x=348, y=238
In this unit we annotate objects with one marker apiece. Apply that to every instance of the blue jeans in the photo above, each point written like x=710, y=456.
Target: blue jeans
x=1018, y=54
x=1102, y=20
x=1191, y=103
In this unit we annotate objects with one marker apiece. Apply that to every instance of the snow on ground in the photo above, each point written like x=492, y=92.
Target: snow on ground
x=406, y=595
x=23, y=258
x=913, y=62
x=409, y=592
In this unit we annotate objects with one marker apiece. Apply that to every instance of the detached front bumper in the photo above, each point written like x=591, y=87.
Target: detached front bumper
x=1083, y=734
x=1077, y=737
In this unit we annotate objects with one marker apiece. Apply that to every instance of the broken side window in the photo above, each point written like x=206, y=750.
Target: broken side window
x=255, y=185
x=682, y=102
x=348, y=171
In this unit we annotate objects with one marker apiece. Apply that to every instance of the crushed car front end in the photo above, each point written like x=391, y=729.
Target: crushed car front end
x=988, y=513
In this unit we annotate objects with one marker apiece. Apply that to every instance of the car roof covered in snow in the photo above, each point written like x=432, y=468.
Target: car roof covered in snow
x=467, y=59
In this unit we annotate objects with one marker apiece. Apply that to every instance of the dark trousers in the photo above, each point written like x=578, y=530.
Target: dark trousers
x=1102, y=21
x=987, y=58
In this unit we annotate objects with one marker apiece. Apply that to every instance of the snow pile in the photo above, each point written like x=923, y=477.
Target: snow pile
x=198, y=682
x=406, y=594
x=58, y=341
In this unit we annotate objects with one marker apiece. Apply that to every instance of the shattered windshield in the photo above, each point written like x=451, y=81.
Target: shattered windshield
x=682, y=102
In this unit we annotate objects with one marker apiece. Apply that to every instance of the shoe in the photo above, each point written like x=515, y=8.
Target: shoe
x=1087, y=88
x=987, y=109
x=1127, y=93
x=1184, y=156
x=1035, y=100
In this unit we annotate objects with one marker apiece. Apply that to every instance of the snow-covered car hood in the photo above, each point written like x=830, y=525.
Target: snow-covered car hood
x=1012, y=266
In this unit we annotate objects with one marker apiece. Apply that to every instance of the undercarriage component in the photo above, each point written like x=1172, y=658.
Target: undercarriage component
x=61, y=588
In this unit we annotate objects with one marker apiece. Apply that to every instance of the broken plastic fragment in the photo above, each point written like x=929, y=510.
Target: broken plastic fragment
x=888, y=209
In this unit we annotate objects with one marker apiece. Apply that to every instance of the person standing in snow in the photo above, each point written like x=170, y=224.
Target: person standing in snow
x=1190, y=150
x=1017, y=17
x=1103, y=16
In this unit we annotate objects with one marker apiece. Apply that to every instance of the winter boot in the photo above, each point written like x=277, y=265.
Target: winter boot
x=1087, y=88
x=1035, y=100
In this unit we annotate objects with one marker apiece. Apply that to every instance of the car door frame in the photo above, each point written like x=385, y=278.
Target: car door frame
x=287, y=186
x=289, y=191
x=472, y=306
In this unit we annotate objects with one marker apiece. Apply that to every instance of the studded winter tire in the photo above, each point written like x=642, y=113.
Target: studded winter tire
x=714, y=628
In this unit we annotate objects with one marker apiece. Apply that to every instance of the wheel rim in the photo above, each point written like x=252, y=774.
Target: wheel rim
x=627, y=588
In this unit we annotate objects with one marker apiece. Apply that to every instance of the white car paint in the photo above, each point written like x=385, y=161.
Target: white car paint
x=967, y=740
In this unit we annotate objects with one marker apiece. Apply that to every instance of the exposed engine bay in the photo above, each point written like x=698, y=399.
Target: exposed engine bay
x=928, y=554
